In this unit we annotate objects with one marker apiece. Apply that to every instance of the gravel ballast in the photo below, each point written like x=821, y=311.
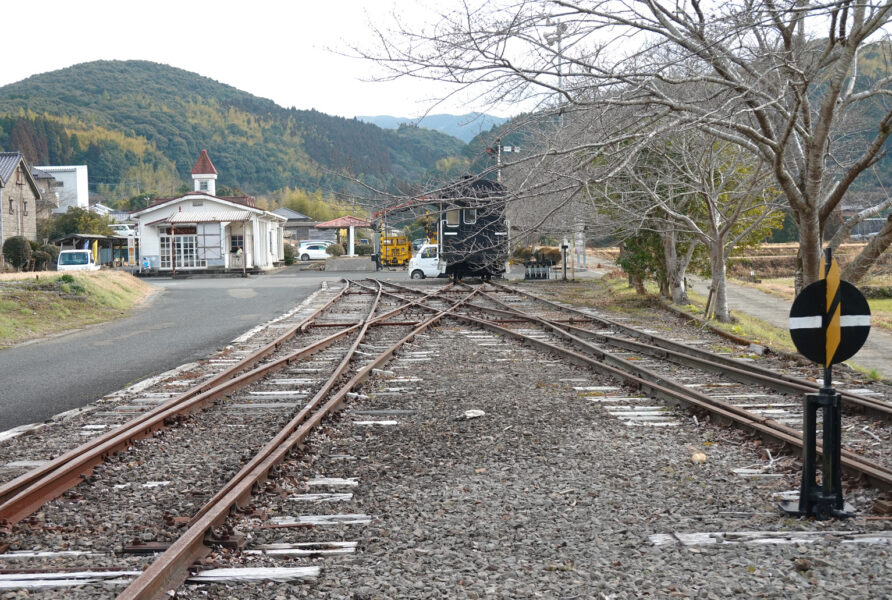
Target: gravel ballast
x=545, y=495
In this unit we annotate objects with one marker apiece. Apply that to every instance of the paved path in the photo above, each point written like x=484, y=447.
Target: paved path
x=875, y=354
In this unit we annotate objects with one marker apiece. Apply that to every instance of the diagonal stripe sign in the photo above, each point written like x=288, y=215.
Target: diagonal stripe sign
x=830, y=319
x=833, y=311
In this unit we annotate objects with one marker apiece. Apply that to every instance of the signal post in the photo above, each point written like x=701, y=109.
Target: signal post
x=829, y=322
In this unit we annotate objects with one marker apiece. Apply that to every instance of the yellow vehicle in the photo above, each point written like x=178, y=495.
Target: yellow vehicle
x=395, y=251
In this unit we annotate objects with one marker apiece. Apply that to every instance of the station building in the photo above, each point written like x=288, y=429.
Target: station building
x=201, y=231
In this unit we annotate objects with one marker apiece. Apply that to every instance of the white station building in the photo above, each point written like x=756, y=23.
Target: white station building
x=202, y=231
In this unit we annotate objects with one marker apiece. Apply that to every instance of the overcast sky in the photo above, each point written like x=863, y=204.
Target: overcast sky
x=272, y=49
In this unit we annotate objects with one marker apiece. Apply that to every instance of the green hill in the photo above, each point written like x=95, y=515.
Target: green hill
x=139, y=126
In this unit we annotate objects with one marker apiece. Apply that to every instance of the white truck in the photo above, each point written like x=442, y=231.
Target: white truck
x=426, y=263
x=76, y=260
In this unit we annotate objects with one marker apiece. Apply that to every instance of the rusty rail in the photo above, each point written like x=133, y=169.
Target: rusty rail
x=23, y=495
x=170, y=568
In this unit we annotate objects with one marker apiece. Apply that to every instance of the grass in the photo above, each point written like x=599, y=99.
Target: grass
x=34, y=305
x=612, y=292
x=746, y=326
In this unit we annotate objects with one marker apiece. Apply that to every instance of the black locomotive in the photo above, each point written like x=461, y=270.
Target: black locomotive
x=472, y=230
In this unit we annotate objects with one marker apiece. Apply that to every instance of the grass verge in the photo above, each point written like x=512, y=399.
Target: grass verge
x=34, y=305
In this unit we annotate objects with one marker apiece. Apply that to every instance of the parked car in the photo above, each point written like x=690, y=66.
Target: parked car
x=305, y=243
x=426, y=263
x=313, y=252
x=123, y=229
x=76, y=260
x=418, y=243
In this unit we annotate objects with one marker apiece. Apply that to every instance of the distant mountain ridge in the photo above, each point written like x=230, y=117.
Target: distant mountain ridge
x=464, y=127
x=140, y=126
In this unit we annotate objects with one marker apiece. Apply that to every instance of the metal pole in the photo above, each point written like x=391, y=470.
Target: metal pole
x=564, y=246
x=173, y=250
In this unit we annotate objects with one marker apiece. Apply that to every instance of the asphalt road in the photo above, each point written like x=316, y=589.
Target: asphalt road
x=186, y=320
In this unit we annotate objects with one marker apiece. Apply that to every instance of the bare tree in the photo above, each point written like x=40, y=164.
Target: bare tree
x=777, y=78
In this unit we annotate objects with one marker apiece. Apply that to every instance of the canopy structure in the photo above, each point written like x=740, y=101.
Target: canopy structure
x=348, y=222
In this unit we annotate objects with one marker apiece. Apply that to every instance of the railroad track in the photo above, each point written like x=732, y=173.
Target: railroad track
x=719, y=386
x=275, y=395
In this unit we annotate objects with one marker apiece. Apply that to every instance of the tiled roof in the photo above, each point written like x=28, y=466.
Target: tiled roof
x=341, y=222
x=204, y=166
x=291, y=214
x=209, y=216
x=243, y=200
x=38, y=174
x=9, y=161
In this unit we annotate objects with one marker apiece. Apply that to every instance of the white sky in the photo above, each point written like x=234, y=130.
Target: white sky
x=271, y=49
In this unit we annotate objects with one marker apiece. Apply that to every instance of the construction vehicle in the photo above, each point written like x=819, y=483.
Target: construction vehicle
x=395, y=250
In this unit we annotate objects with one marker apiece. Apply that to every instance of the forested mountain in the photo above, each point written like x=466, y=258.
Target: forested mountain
x=140, y=126
x=464, y=127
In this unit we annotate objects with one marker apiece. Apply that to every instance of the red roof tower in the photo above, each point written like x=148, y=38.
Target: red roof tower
x=204, y=175
x=204, y=166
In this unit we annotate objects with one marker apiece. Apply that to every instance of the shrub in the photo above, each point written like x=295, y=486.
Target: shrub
x=289, y=254
x=521, y=253
x=363, y=250
x=53, y=251
x=335, y=250
x=41, y=260
x=17, y=251
x=552, y=255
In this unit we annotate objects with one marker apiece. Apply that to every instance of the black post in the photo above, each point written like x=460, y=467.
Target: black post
x=564, y=247
x=825, y=500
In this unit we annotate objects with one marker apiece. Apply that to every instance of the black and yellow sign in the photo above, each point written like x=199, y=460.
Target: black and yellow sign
x=830, y=319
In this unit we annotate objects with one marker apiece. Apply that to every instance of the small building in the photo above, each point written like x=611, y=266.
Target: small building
x=348, y=223
x=201, y=231
x=112, y=249
x=300, y=227
x=49, y=198
x=114, y=215
x=72, y=186
x=19, y=197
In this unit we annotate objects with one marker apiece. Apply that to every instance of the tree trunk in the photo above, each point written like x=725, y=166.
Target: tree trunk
x=719, y=284
x=858, y=268
x=809, y=256
x=675, y=270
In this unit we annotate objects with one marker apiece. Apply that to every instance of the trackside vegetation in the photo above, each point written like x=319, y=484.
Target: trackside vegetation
x=35, y=305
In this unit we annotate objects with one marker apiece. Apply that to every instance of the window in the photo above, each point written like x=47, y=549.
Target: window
x=11, y=207
x=198, y=203
x=236, y=242
x=24, y=207
x=429, y=253
x=452, y=217
x=470, y=215
x=203, y=186
x=185, y=250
